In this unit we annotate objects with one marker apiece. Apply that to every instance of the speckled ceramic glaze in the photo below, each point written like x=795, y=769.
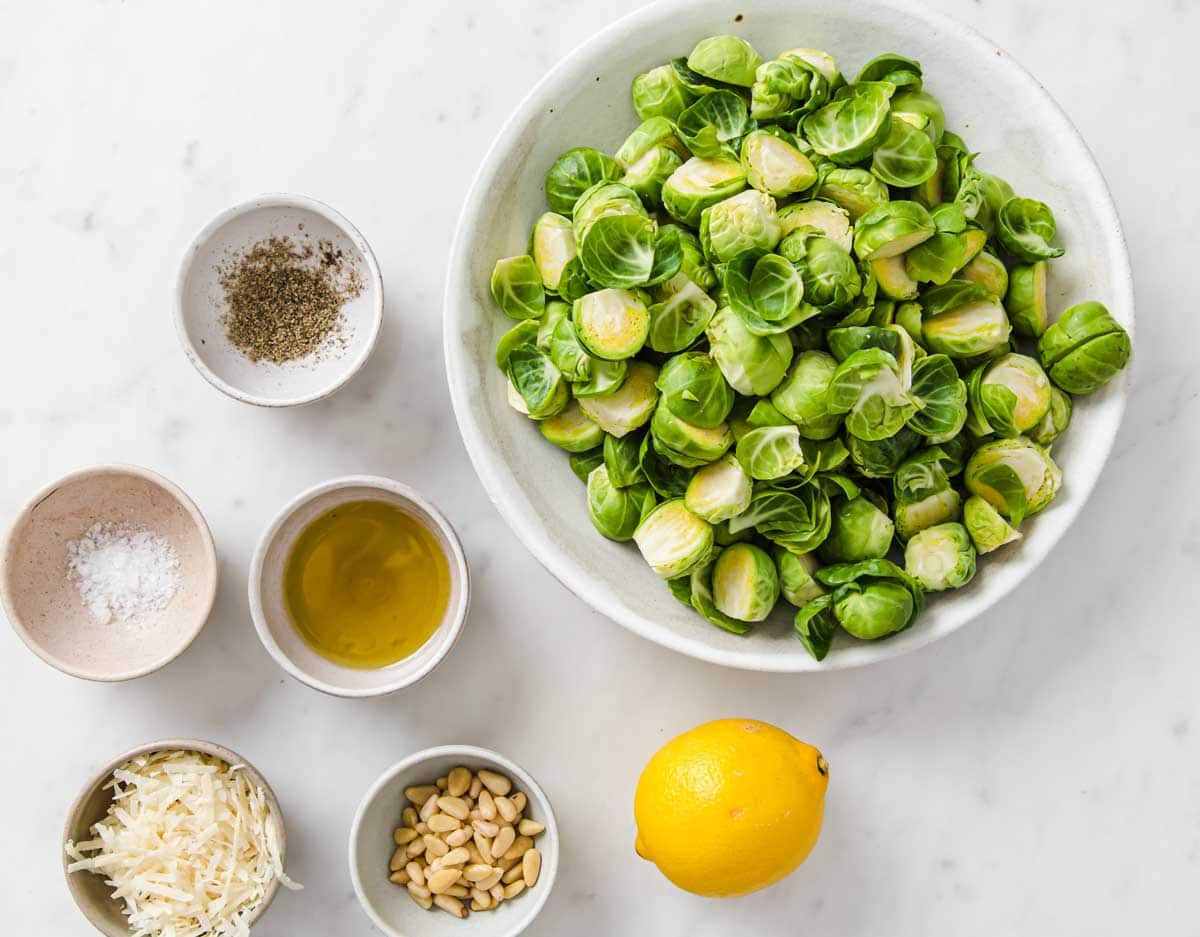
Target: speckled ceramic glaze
x=993, y=102
x=43, y=603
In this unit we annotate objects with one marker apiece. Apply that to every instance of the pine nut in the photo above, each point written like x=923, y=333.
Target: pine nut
x=474, y=815
x=421, y=827
x=434, y=846
x=434, y=866
x=484, y=845
x=487, y=806
x=442, y=783
x=442, y=879
x=531, y=862
x=415, y=872
x=503, y=840
x=491, y=881
x=429, y=808
x=415, y=848
x=530, y=827
x=489, y=830
x=476, y=906
x=497, y=893
x=511, y=891
x=450, y=905
x=400, y=877
x=459, y=779
x=404, y=835
x=519, y=847
x=505, y=864
x=459, y=837
x=516, y=872
x=419, y=794
x=480, y=900
x=417, y=891
x=476, y=856
x=476, y=786
x=520, y=801
x=425, y=903
x=441, y=823
x=455, y=806
x=477, y=872
x=496, y=783
x=408, y=816
x=399, y=858
x=457, y=856
x=458, y=891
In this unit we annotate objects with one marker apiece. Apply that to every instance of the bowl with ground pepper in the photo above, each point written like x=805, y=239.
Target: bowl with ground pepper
x=279, y=301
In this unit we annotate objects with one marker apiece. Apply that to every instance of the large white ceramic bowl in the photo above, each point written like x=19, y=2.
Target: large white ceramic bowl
x=990, y=99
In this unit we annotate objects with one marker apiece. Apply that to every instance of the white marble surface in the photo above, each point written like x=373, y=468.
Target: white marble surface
x=1035, y=773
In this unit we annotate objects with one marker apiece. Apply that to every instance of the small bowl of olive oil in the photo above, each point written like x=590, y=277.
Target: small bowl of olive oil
x=359, y=587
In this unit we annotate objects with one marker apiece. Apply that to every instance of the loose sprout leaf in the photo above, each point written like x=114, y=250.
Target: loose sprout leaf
x=1026, y=227
x=816, y=625
x=618, y=251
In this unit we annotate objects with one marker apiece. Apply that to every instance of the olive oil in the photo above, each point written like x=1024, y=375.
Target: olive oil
x=366, y=584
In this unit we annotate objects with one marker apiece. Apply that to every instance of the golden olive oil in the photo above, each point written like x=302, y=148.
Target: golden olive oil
x=366, y=584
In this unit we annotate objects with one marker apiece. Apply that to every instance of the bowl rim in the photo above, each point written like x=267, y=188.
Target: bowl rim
x=9, y=552
x=528, y=784
x=278, y=200
x=198, y=745
x=490, y=467
x=457, y=561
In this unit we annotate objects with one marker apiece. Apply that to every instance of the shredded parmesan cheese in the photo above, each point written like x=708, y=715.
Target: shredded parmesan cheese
x=189, y=845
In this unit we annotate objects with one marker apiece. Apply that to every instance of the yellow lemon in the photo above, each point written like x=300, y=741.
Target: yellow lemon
x=730, y=807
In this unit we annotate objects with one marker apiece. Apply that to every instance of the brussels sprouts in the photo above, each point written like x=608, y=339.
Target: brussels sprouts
x=650, y=133
x=752, y=364
x=719, y=491
x=847, y=339
x=796, y=582
x=568, y=354
x=763, y=413
x=906, y=157
x=1026, y=227
x=971, y=329
x=911, y=317
x=552, y=247
x=604, y=378
x=941, y=397
x=649, y=172
x=867, y=388
x=729, y=59
x=582, y=463
x=803, y=395
x=677, y=322
x=828, y=272
x=850, y=127
x=685, y=443
x=1026, y=301
x=517, y=288
x=881, y=457
x=607, y=199
x=617, y=251
x=523, y=333
x=770, y=452
x=872, y=599
x=860, y=531
x=894, y=69
x=538, y=383
x=699, y=184
x=775, y=166
x=936, y=260
x=701, y=598
x=786, y=88
x=818, y=217
x=795, y=518
x=855, y=190
x=1009, y=395
x=1084, y=349
x=988, y=271
x=573, y=173
x=617, y=512
x=611, y=323
x=673, y=540
x=744, y=222
x=1056, y=420
x=891, y=229
x=1017, y=477
x=816, y=625
x=574, y=282
x=711, y=125
x=988, y=529
x=891, y=273
x=937, y=508
x=571, y=429
x=514, y=398
x=940, y=557
x=745, y=583
x=922, y=111
x=630, y=406
x=765, y=291
x=694, y=390
x=660, y=93
x=822, y=61
x=623, y=459
x=664, y=476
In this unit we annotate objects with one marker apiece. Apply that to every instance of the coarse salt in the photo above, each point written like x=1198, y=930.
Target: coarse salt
x=122, y=571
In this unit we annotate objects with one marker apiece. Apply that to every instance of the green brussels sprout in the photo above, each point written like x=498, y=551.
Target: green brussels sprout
x=787, y=88
x=937, y=508
x=1084, y=349
x=568, y=354
x=694, y=389
x=660, y=93
x=582, y=463
x=911, y=317
x=523, y=333
x=906, y=157
x=514, y=397
x=678, y=321
x=763, y=413
x=816, y=625
x=729, y=59
x=607, y=199
x=1026, y=301
x=617, y=251
x=822, y=61
x=630, y=406
x=617, y=512
x=1017, y=477
x=623, y=459
x=745, y=582
x=573, y=173
x=867, y=388
x=855, y=190
x=1056, y=420
x=664, y=476
x=894, y=69
x=701, y=598
x=571, y=429
x=765, y=291
x=988, y=271
x=650, y=133
x=723, y=538
x=710, y=127
x=936, y=260
x=940, y=557
x=744, y=222
x=860, y=531
x=795, y=518
x=770, y=452
x=891, y=229
x=988, y=529
x=685, y=443
x=796, y=582
x=538, y=383
x=941, y=397
x=517, y=288
x=574, y=282
x=922, y=111
x=775, y=166
x=719, y=491
x=847, y=339
x=611, y=323
x=699, y=184
x=752, y=364
x=881, y=457
x=649, y=172
x=556, y=310
x=1010, y=395
x=828, y=272
x=891, y=274
x=803, y=395
x=818, y=217
x=673, y=540
x=974, y=328
x=1025, y=227
x=604, y=378
x=853, y=124
x=872, y=599
x=552, y=247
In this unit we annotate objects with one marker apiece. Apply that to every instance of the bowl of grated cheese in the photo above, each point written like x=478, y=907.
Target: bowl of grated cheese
x=181, y=837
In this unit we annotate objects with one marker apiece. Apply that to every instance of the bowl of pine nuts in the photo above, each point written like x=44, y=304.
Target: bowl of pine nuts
x=453, y=839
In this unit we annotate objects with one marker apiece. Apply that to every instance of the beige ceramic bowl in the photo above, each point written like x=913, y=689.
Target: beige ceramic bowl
x=274, y=625
x=44, y=606
x=91, y=895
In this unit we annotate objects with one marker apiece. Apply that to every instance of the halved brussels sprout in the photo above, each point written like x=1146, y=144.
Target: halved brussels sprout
x=765, y=291
x=1017, y=477
x=987, y=270
x=855, y=190
x=752, y=364
x=553, y=247
x=847, y=339
x=906, y=157
x=694, y=389
x=744, y=222
x=712, y=125
x=829, y=274
x=660, y=93
x=729, y=59
x=872, y=599
x=630, y=406
x=673, y=540
x=616, y=250
x=803, y=395
x=941, y=557
x=891, y=274
x=850, y=127
x=893, y=68
x=1084, y=349
x=891, y=229
x=770, y=452
x=538, y=382
x=514, y=398
x=719, y=491
x=921, y=110
x=517, y=287
x=678, y=321
x=649, y=172
x=867, y=388
x=572, y=429
x=941, y=396
x=612, y=323
x=700, y=595
x=821, y=60
x=623, y=459
x=1056, y=420
x=1026, y=227
x=860, y=531
x=937, y=508
x=938, y=259
x=556, y=310
x=1009, y=395
x=796, y=582
x=698, y=184
x=775, y=166
x=685, y=443
x=524, y=332
x=988, y=529
x=568, y=354
x=1026, y=301
x=574, y=172
x=604, y=378
x=786, y=88
x=651, y=132
x=745, y=583
x=974, y=328
x=617, y=512
x=818, y=217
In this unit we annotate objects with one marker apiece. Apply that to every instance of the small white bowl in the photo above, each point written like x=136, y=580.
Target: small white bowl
x=269, y=611
x=388, y=905
x=199, y=302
